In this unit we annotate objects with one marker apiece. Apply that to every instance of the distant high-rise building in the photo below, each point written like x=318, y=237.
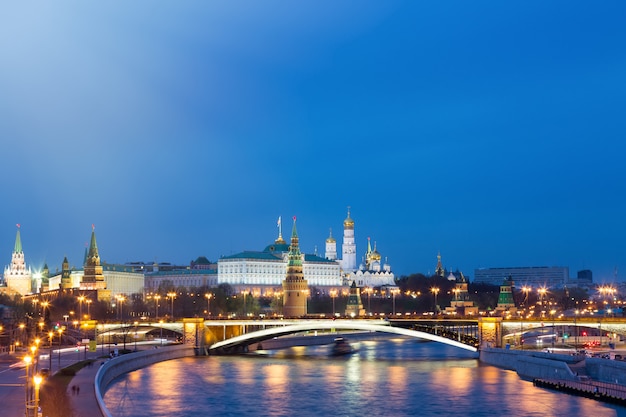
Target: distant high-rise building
x=17, y=276
x=533, y=276
x=295, y=287
x=585, y=277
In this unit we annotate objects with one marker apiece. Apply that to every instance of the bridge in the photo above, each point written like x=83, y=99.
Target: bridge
x=232, y=336
x=238, y=343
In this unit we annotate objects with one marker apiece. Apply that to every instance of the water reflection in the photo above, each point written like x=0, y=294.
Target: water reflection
x=384, y=378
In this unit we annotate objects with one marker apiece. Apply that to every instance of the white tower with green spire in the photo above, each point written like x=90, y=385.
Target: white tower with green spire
x=16, y=275
x=295, y=287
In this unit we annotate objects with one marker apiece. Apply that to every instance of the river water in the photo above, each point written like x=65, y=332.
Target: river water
x=391, y=377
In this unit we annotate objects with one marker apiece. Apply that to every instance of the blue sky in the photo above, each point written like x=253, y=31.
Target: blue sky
x=492, y=132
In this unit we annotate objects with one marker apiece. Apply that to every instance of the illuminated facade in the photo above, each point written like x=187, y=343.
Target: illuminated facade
x=371, y=272
x=533, y=276
x=295, y=287
x=17, y=276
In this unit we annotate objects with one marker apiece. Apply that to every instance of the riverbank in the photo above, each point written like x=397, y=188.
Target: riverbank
x=596, y=378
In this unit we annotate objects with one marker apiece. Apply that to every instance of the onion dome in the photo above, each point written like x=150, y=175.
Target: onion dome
x=375, y=256
x=330, y=238
x=348, y=223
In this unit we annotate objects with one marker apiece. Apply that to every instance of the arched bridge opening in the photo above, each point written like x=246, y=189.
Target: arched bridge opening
x=239, y=343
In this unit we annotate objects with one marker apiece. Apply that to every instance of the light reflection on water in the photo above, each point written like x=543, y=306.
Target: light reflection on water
x=384, y=378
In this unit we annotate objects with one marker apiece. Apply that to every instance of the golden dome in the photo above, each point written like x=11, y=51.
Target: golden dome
x=330, y=238
x=348, y=223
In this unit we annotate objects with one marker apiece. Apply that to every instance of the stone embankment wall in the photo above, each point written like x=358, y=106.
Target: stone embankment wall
x=606, y=370
x=113, y=368
x=530, y=365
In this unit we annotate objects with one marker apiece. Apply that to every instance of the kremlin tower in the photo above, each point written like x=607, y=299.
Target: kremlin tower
x=16, y=275
x=93, y=278
x=295, y=287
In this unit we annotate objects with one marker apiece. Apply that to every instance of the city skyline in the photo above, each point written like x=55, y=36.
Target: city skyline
x=489, y=133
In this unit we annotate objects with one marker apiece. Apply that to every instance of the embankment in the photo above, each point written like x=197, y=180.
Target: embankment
x=113, y=368
x=532, y=364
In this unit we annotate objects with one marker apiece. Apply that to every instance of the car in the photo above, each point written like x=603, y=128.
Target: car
x=45, y=372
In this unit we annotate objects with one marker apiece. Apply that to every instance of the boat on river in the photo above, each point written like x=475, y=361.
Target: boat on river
x=341, y=347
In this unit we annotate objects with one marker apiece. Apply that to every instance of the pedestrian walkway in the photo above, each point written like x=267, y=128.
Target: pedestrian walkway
x=81, y=392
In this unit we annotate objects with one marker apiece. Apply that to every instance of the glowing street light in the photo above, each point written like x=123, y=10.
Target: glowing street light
x=333, y=295
x=208, y=297
x=81, y=299
x=156, y=297
x=542, y=292
x=37, y=380
x=525, y=289
x=172, y=295
x=435, y=291
x=27, y=360
x=393, y=295
x=88, y=301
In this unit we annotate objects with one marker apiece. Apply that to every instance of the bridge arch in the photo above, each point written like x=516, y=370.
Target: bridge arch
x=261, y=335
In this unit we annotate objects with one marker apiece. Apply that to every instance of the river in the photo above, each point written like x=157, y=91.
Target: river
x=390, y=377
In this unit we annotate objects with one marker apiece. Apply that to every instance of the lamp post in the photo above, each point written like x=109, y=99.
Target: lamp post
x=393, y=296
x=161, y=326
x=435, y=291
x=60, y=334
x=50, y=337
x=369, y=290
x=208, y=304
x=81, y=299
x=525, y=290
x=333, y=295
x=27, y=361
x=88, y=301
x=157, y=297
x=172, y=295
x=553, y=327
x=576, y=327
x=37, y=380
x=120, y=300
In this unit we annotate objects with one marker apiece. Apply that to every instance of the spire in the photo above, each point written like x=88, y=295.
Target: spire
x=295, y=256
x=294, y=233
x=93, y=247
x=18, y=241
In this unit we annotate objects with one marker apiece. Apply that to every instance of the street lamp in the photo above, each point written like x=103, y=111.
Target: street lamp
x=172, y=295
x=435, y=291
x=157, y=297
x=27, y=361
x=60, y=334
x=120, y=300
x=208, y=303
x=542, y=292
x=50, y=336
x=333, y=295
x=525, y=290
x=393, y=295
x=88, y=301
x=37, y=380
x=81, y=299
x=161, y=326
x=553, y=327
x=576, y=326
x=369, y=290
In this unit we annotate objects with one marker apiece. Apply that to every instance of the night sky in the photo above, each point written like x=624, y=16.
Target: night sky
x=492, y=132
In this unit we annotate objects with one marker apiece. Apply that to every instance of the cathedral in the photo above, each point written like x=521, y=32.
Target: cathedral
x=371, y=272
